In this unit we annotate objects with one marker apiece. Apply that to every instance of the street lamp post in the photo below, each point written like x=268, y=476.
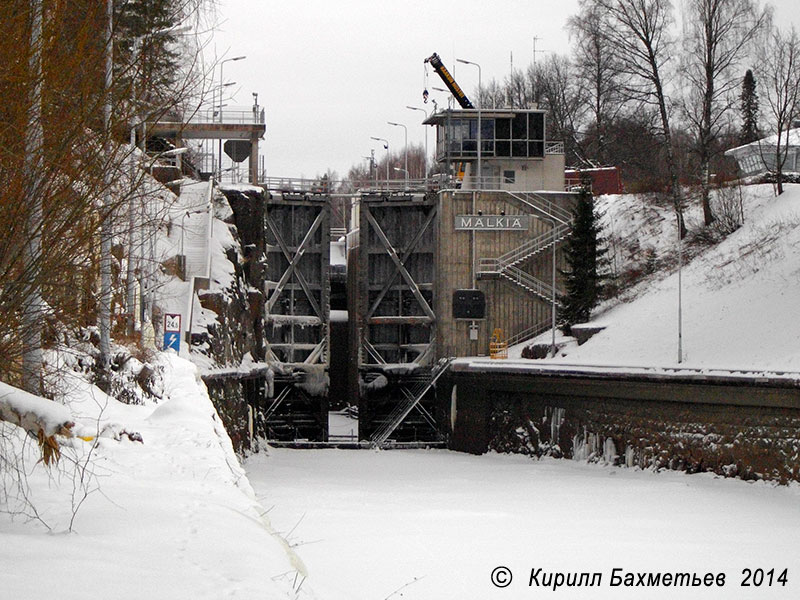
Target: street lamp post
x=467, y=62
x=385, y=147
x=221, y=85
x=221, y=79
x=405, y=148
x=553, y=290
x=425, y=112
x=401, y=170
x=449, y=95
x=217, y=107
x=680, y=292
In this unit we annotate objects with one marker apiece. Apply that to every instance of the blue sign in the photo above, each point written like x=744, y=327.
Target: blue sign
x=172, y=339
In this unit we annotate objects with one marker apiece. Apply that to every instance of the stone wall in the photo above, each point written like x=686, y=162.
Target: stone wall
x=676, y=431
x=228, y=396
x=239, y=326
x=240, y=399
x=240, y=308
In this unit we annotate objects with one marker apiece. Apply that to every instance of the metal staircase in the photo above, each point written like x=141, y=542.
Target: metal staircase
x=542, y=205
x=529, y=333
x=533, y=246
x=506, y=265
x=412, y=399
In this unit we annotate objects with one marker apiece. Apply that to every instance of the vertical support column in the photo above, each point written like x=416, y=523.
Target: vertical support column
x=179, y=157
x=253, y=160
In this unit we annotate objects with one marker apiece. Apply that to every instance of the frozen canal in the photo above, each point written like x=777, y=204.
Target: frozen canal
x=436, y=524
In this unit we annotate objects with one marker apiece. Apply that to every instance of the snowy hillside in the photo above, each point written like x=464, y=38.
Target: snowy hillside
x=739, y=298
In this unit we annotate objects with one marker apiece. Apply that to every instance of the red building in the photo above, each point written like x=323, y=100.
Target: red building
x=605, y=180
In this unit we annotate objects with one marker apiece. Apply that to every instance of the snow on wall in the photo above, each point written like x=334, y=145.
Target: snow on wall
x=751, y=442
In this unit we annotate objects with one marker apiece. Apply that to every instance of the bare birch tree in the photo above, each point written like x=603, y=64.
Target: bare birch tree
x=34, y=138
x=598, y=72
x=639, y=32
x=564, y=101
x=779, y=72
x=717, y=35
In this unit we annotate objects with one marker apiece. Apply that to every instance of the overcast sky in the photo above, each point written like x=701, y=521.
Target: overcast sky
x=331, y=74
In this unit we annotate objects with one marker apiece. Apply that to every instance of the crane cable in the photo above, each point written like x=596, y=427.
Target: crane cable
x=425, y=82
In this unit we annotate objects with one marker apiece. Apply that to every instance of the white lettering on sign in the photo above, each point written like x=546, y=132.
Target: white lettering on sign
x=493, y=222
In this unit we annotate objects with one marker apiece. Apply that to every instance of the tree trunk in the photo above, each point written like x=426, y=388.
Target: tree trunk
x=705, y=188
x=779, y=162
x=706, y=137
x=33, y=309
x=104, y=312
x=672, y=165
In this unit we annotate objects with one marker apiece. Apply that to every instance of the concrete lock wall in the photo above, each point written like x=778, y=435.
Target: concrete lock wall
x=509, y=306
x=745, y=429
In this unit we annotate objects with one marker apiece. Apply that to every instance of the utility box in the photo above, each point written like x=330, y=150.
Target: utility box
x=469, y=304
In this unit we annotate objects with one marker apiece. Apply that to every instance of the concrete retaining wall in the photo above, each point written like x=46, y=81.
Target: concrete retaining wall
x=742, y=427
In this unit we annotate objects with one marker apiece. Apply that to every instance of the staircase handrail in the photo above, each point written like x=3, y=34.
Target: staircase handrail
x=543, y=205
x=534, y=245
x=526, y=280
x=529, y=332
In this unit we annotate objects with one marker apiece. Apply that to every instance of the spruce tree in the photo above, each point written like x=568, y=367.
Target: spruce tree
x=584, y=254
x=146, y=46
x=749, y=109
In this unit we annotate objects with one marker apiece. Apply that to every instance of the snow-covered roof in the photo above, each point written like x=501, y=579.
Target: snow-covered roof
x=772, y=140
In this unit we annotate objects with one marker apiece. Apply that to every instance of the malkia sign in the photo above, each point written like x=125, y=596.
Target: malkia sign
x=493, y=222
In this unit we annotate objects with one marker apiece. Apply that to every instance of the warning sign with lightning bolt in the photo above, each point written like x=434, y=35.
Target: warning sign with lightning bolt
x=172, y=331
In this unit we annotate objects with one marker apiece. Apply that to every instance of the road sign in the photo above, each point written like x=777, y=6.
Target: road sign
x=172, y=339
x=172, y=322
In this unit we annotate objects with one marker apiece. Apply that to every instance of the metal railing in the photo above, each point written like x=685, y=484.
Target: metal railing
x=401, y=185
x=296, y=185
x=575, y=184
x=485, y=183
x=526, y=334
x=433, y=183
x=534, y=245
x=233, y=116
x=542, y=204
x=554, y=148
x=517, y=276
x=320, y=186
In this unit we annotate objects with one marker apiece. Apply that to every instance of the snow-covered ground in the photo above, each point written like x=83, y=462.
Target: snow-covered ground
x=341, y=425
x=171, y=518
x=739, y=299
x=368, y=523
